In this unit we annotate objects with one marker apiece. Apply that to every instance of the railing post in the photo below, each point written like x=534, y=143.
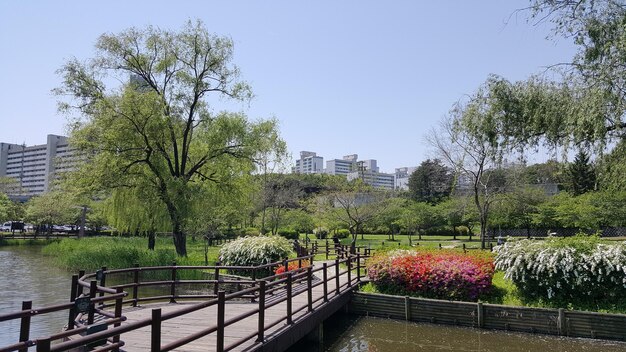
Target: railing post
x=261, y=333
x=349, y=262
x=102, y=281
x=93, y=288
x=289, y=297
x=135, y=285
x=217, y=279
x=358, y=267
x=325, y=279
x=299, y=263
x=327, y=249
x=221, y=303
x=286, y=264
x=43, y=345
x=254, y=283
x=79, y=291
x=337, y=275
x=73, y=292
x=173, y=286
x=155, y=333
x=25, y=324
x=118, y=314
x=309, y=287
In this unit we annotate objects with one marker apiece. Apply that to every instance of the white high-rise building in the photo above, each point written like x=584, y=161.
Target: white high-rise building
x=34, y=168
x=342, y=166
x=402, y=175
x=309, y=163
x=373, y=178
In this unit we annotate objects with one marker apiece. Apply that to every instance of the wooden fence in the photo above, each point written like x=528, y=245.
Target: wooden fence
x=492, y=316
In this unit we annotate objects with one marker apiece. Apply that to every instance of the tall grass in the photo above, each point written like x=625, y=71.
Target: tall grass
x=90, y=254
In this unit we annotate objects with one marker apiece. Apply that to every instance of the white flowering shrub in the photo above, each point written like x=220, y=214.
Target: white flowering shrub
x=255, y=250
x=565, y=269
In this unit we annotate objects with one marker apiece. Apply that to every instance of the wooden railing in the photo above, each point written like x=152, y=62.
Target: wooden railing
x=95, y=310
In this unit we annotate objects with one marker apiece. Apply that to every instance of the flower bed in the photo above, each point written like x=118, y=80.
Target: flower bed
x=434, y=274
x=291, y=266
x=574, y=269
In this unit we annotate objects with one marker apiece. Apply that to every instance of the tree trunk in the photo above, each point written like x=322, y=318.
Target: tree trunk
x=180, y=240
x=151, y=240
x=483, y=233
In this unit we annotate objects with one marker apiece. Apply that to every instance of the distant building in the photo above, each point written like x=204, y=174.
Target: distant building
x=34, y=168
x=401, y=178
x=309, y=163
x=367, y=171
x=372, y=178
x=342, y=166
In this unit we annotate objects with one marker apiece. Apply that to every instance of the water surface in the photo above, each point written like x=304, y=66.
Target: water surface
x=361, y=334
x=27, y=275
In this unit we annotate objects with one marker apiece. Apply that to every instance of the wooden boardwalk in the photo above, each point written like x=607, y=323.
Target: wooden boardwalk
x=191, y=323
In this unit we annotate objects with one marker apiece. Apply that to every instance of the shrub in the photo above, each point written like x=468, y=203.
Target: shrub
x=289, y=234
x=250, y=231
x=564, y=270
x=440, y=274
x=291, y=266
x=438, y=231
x=320, y=233
x=342, y=233
x=255, y=250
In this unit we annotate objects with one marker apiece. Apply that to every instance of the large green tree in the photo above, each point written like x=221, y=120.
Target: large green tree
x=158, y=129
x=431, y=182
x=581, y=174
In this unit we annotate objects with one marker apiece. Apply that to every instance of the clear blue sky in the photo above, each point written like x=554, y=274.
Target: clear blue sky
x=343, y=77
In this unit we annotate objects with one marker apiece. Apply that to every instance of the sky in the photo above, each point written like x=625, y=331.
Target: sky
x=342, y=77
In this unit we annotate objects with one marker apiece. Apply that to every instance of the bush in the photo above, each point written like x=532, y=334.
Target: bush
x=320, y=233
x=291, y=266
x=289, y=234
x=250, y=231
x=438, y=231
x=565, y=270
x=342, y=233
x=440, y=274
x=255, y=250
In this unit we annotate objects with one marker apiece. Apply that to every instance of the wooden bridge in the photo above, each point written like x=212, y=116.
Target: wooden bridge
x=203, y=308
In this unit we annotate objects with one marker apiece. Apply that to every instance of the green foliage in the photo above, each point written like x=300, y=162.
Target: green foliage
x=289, y=234
x=582, y=174
x=157, y=134
x=253, y=251
x=342, y=233
x=321, y=233
x=431, y=182
x=250, y=231
x=91, y=254
x=52, y=208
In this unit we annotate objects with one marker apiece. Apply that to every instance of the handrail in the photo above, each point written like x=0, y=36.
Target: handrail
x=98, y=294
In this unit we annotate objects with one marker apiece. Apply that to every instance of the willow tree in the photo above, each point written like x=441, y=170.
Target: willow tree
x=158, y=129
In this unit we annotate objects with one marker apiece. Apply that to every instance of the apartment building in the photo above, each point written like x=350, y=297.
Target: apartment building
x=342, y=166
x=35, y=168
x=309, y=163
x=402, y=175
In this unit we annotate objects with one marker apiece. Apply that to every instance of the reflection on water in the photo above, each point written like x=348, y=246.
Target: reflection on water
x=361, y=334
x=26, y=275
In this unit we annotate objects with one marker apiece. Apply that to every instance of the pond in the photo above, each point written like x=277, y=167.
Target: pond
x=26, y=275
x=348, y=333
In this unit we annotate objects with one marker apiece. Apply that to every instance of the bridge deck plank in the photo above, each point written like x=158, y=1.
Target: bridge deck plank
x=180, y=327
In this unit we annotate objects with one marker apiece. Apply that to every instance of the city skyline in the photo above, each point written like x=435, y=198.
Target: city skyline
x=350, y=77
